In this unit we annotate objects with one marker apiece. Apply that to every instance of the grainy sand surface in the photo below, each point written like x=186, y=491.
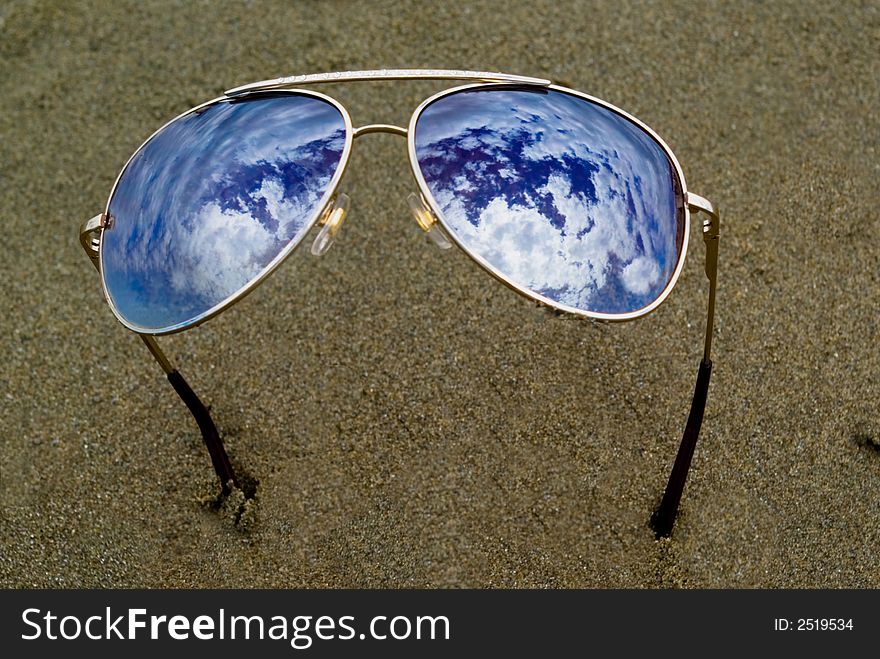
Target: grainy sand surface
x=406, y=420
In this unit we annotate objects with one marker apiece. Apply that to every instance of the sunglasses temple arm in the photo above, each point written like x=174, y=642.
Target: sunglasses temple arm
x=213, y=442
x=219, y=459
x=664, y=518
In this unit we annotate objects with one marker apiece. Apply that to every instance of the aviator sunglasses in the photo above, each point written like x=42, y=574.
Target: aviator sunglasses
x=563, y=197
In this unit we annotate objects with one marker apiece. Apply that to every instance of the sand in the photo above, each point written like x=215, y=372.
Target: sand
x=402, y=418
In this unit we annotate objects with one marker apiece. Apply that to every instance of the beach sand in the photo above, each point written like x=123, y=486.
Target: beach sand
x=401, y=418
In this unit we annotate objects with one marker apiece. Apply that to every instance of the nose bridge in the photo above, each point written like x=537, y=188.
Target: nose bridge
x=379, y=128
x=423, y=214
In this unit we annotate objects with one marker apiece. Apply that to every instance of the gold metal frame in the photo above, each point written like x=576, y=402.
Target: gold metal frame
x=430, y=217
x=92, y=230
x=383, y=74
x=92, y=243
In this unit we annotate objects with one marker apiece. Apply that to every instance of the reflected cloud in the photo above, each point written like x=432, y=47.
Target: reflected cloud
x=212, y=199
x=562, y=196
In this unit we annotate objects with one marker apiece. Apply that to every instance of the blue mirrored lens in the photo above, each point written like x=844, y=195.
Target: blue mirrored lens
x=212, y=199
x=557, y=194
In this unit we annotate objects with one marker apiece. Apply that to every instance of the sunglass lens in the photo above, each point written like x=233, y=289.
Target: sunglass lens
x=560, y=196
x=214, y=199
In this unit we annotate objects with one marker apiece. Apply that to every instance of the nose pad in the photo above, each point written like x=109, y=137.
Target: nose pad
x=330, y=223
x=428, y=221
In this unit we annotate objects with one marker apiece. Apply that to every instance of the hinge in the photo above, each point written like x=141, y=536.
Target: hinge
x=711, y=231
x=90, y=238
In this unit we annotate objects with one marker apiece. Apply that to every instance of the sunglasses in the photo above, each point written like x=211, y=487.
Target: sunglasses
x=563, y=197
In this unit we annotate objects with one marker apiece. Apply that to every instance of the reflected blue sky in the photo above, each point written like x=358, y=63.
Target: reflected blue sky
x=212, y=199
x=564, y=197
